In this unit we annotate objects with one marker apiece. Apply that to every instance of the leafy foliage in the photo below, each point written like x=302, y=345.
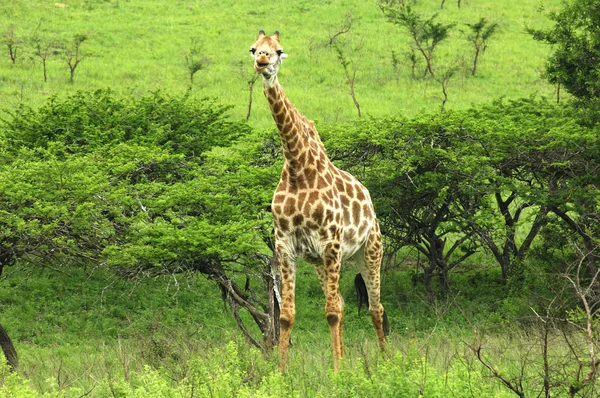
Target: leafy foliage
x=140, y=185
x=454, y=182
x=426, y=33
x=575, y=38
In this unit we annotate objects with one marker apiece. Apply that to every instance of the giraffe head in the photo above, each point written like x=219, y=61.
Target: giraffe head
x=267, y=54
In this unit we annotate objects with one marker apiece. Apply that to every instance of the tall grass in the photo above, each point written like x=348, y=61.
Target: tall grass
x=433, y=366
x=84, y=333
x=138, y=46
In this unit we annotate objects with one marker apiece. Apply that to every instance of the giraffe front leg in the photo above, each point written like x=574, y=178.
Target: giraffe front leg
x=337, y=336
x=288, y=306
x=334, y=305
x=335, y=317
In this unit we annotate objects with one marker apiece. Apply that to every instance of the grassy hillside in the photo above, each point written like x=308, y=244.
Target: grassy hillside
x=138, y=46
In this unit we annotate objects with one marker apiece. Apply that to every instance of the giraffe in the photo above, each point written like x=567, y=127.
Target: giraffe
x=320, y=213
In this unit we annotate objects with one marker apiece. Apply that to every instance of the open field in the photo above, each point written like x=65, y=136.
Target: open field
x=84, y=333
x=83, y=329
x=139, y=46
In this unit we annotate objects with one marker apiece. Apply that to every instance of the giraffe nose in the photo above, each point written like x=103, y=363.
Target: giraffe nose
x=262, y=60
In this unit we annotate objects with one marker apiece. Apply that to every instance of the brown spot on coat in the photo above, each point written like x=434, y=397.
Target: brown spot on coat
x=346, y=214
x=355, y=211
x=283, y=224
x=302, y=158
x=301, y=200
x=310, y=174
x=289, y=207
x=322, y=184
x=362, y=228
x=318, y=214
x=346, y=176
x=332, y=231
x=298, y=220
x=367, y=211
x=350, y=190
x=345, y=200
x=328, y=216
x=278, y=198
x=360, y=195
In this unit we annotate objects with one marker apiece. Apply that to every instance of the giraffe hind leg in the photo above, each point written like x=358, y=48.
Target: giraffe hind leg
x=363, y=299
x=369, y=285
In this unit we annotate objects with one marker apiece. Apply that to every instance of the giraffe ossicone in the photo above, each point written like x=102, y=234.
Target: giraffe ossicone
x=320, y=213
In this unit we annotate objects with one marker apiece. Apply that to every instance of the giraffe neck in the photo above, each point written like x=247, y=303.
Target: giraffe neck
x=302, y=147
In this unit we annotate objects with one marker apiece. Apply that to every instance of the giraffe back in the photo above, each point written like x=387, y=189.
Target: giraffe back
x=316, y=203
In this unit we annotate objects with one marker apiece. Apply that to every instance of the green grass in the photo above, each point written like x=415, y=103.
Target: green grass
x=79, y=331
x=139, y=46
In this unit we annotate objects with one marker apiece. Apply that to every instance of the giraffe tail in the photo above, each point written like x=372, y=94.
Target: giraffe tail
x=386, y=324
x=363, y=298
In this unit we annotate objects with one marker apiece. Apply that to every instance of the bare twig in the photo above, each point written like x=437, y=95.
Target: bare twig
x=516, y=388
x=342, y=29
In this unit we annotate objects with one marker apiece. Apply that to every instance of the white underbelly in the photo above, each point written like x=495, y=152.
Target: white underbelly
x=307, y=245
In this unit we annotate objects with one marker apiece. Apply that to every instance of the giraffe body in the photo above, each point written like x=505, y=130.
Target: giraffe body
x=320, y=213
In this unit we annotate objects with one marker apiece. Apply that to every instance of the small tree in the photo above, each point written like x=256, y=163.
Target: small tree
x=73, y=55
x=425, y=33
x=350, y=69
x=341, y=29
x=444, y=80
x=43, y=48
x=9, y=349
x=195, y=61
x=12, y=43
x=478, y=35
x=417, y=173
x=575, y=39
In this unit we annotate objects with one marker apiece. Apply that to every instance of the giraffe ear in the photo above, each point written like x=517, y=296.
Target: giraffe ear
x=276, y=36
x=281, y=55
x=261, y=33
